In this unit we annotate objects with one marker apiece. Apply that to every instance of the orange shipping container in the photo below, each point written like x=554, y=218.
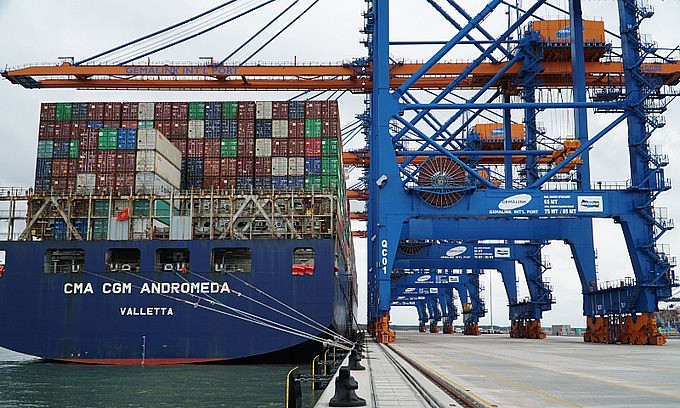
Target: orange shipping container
x=494, y=131
x=560, y=31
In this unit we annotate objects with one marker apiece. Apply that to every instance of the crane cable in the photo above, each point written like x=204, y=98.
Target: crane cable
x=241, y=315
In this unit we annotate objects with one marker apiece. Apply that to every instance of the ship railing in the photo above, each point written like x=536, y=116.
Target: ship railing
x=15, y=192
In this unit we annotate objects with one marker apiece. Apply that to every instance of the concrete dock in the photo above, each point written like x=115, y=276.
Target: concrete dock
x=497, y=371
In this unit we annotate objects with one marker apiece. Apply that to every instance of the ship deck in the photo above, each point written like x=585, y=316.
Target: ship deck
x=495, y=370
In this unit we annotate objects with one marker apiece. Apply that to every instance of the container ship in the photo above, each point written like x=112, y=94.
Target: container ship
x=179, y=232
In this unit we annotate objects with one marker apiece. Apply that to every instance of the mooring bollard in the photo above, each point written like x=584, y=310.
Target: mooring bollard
x=354, y=361
x=345, y=395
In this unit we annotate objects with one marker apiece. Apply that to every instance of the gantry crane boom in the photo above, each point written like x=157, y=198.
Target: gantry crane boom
x=353, y=77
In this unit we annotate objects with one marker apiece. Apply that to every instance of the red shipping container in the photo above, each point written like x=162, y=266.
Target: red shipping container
x=78, y=129
x=105, y=181
x=89, y=141
x=211, y=167
x=296, y=147
x=128, y=124
x=163, y=126
x=180, y=111
x=162, y=111
x=72, y=167
x=62, y=130
x=195, y=148
x=313, y=109
x=313, y=147
x=280, y=110
x=211, y=182
x=244, y=166
x=228, y=167
x=246, y=128
x=181, y=145
x=112, y=111
x=330, y=128
x=126, y=161
x=263, y=166
x=124, y=181
x=212, y=147
x=329, y=109
x=106, y=161
x=246, y=110
x=95, y=111
x=129, y=111
x=179, y=129
x=60, y=168
x=46, y=130
x=87, y=161
x=245, y=147
x=228, y=182
x=280, y=147
x=61, y=184
x=48, y=111
x=296, y=128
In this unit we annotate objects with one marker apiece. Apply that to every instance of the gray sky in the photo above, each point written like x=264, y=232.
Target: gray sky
x=39, y=31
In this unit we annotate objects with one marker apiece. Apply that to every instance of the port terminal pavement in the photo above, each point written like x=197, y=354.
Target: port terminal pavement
x=497, y=371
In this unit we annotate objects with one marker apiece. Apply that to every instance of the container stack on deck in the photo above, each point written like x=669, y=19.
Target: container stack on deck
x=109, y=148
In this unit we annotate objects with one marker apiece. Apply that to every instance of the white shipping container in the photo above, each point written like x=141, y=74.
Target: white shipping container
x=279, y=166
x=152, y=183
x=280, y=128
x=263, y=147
x=145, y=111
x=263, y=110
x=196, y=129
x=85, y=183
x=153, y=162
x=296, y=166
x=152, y=139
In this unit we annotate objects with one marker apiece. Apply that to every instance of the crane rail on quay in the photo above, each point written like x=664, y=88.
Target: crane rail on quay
x=456, y=155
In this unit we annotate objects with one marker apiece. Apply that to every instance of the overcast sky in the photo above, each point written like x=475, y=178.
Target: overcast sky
x=38, y=31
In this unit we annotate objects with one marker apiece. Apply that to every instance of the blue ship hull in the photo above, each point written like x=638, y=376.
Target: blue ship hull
x=167, y=317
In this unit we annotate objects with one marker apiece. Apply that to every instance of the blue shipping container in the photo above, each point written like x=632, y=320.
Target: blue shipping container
x=95, y=124
x=296, y=109
x=43, y=184
x=229, y=128
x=127, y=139
x=244, y=182
x=79, y=111
x=213, y=110
x=61, y=148
x=194, y=167
x=296, y=182
x=263, y=128
x=43, y=168
x=194, y=182
x=212, y=129
x=279, y=183
x=313, y=166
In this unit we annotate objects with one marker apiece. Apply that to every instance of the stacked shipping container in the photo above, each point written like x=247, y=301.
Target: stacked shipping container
x=102, y=147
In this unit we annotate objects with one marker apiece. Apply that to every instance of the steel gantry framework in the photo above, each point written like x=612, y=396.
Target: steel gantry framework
x=435, y=178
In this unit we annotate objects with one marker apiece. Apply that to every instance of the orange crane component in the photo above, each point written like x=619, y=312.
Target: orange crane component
x=361, y=195
x=359, y=216
x=355, y=78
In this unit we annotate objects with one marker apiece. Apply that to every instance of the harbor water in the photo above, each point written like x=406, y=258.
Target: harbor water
x=28, y=382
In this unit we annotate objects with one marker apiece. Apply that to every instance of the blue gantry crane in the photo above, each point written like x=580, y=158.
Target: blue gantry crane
x=430, y=180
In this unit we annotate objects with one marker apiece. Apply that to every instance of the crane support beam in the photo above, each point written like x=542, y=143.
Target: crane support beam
x=308, y=77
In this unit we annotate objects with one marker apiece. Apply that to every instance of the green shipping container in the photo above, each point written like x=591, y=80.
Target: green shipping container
x=140, y=208
x=329, y=147
x=196, y=110
x=163, y=209
x=145, y=124
x=313, y=183
x=229, y=110
x=312, y=127
x=107, y=139
x=101, y=208
x=100, y=228
x=45, y=148
x=329, y=166
x=64, y=111
x=73, y=149
x=228, y=147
